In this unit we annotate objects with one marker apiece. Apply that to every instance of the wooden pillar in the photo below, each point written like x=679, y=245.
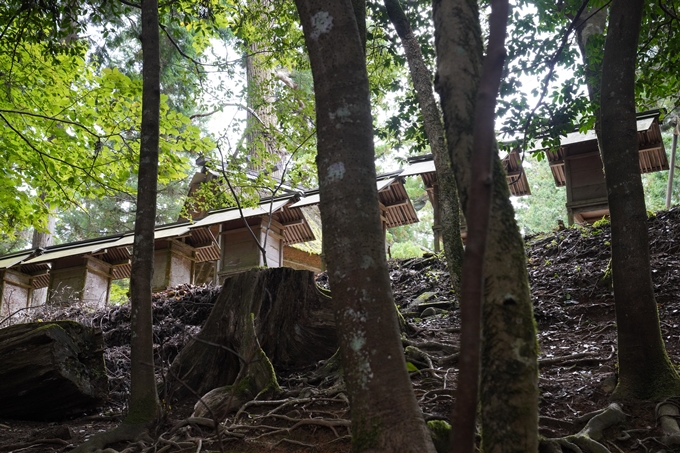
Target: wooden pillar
x=86, y=279
x=16, y=290
x=173, y=265
x=241, y=251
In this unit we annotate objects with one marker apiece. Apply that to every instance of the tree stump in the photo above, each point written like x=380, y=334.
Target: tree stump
x=262, y=318
x=51, y=370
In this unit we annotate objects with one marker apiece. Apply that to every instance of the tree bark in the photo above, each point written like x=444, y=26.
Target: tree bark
x=263, y=151
x=42, y=239
x=144, y=404
x=509, y=376
x=589, y=34
x=384, y=412
x=51, y=370
x=478, y=215
x=645, y=371
x=449, y=204
x=294, y=327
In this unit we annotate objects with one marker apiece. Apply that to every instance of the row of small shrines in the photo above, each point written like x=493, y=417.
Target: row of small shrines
x=228, y=241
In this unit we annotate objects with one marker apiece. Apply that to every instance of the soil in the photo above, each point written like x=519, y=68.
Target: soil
x=574, y=311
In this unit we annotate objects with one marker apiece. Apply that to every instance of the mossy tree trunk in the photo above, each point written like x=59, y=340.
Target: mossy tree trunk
x=645, y=371
x=448, y=202
x=384, y=412
x=478, y=216
x=262, y=318
x=509, y=375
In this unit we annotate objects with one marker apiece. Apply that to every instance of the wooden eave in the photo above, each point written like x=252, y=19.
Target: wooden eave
x=295, y=226
x=515, y=174
x=652, y=153
x=398, y=207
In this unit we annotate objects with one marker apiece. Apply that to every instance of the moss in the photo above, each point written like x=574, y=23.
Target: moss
x=600, y=223
x=606, y=279
x=244, y=387
x=144, y=412
x=654, y=385
x=400, y=317
x=440, y=432
x=365, y=436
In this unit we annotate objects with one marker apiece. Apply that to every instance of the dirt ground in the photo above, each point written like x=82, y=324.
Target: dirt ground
x=574, y=311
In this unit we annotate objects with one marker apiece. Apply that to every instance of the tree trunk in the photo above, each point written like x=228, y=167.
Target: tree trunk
x=509, y=381
x=51, y=370
x=293, y=327
x=263, y=151
x=42, y=239
x=384, y=412
x=478, y=215
x=448, y=202
x=645, y=371
x=590, y=37
x=144, y=404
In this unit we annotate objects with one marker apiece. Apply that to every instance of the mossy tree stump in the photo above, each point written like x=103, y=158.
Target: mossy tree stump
x=262, y=319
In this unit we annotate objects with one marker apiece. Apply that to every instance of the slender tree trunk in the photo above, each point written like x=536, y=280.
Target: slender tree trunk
x=144, y=405
x=385, y=416
x=42, y=239
x=645, y=370
x=590, y=35
x=478, y=215
x=449, y=204
x=509, y=376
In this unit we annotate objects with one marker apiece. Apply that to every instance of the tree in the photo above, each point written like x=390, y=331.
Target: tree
x=446, y=193
x=384, y=413
x=645, y=371
x=478, y=214
x=509, y=375
x=144, y=407
x=541, y=210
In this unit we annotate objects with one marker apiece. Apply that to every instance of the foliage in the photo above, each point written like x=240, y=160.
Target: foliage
x=120, y=291
x=541, y=210
x=540, y=50
x=413, y=240
x=657, y=82
x=71, y=133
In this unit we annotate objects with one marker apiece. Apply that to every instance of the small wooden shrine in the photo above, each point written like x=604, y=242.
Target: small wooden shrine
x=577, y=165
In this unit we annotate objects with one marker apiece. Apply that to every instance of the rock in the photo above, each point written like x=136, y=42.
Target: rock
x=430, y=311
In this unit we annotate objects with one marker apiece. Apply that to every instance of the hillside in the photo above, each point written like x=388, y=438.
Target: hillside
x=574, y=311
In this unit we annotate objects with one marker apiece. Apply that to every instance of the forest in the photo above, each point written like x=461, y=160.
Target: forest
x=106, y=106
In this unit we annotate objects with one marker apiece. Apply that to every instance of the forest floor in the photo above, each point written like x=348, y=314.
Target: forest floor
x=574, y=311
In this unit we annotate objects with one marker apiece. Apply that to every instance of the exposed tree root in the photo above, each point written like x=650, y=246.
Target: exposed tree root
x=122, y=433
x=328, y=410
x=434, y=346
x=574, y=358
x=256, y=378
x=667, y=413
x=588, y=439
